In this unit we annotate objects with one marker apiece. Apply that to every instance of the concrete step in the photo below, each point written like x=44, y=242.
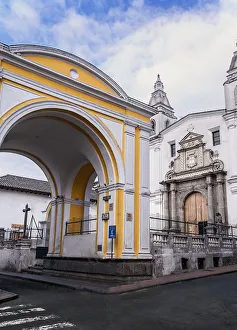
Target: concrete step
x=95, y=278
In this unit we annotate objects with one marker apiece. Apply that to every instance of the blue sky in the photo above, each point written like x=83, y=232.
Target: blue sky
x=189, y=42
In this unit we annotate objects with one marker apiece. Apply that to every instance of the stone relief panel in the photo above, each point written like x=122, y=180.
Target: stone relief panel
x=193, y=159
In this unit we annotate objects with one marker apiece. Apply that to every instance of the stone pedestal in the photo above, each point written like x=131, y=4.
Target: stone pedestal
x=22, y=254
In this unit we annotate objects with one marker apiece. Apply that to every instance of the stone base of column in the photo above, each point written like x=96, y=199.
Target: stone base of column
x=210, y=229
x=128, y=255
x=22, y=254
x=144, y=255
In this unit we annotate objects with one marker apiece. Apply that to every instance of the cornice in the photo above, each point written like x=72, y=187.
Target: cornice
x=72, y=99
x=189, y=116
x=132, y=104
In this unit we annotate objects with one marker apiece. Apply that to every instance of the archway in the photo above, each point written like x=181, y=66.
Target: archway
x=72, y=148
x=195, y=212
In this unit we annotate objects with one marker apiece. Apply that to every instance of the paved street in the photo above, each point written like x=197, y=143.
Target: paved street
x=199, y=304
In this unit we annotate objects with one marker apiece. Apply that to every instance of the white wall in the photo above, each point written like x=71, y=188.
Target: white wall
x=202, y=124
x=13, y=202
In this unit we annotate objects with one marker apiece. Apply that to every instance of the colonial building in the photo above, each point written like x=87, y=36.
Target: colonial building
x=193, y=171
x=77, y=124
x=15, y=193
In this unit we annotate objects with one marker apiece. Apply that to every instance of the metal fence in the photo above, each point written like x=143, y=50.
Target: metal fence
x=16, y=234
x=191, y=228
x=80, y=227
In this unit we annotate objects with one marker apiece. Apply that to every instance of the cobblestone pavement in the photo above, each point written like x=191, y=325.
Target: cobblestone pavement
x=208, y=303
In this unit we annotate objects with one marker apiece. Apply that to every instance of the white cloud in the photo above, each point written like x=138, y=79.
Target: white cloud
x=19, y=165
x=190, y=49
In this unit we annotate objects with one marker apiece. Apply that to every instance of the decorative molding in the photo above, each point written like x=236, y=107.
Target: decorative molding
x=131, y=103
x=72, y=99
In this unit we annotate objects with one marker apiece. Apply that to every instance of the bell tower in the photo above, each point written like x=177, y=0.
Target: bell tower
x=165, y=113
x=230, y=86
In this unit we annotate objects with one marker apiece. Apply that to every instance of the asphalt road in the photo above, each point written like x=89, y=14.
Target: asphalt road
x=209, y=303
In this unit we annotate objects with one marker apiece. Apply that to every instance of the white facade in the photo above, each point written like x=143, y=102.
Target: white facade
x=13, y=202
x=168, y=130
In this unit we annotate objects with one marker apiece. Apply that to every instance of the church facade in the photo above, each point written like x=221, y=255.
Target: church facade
x=193, y=162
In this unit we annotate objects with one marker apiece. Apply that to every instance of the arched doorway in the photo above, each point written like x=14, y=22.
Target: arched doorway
x=195, y=212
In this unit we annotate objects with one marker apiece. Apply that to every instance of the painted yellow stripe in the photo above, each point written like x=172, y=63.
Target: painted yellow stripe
x=78, y=192
x=71, y=91
x=137, y=192
x=119, y=220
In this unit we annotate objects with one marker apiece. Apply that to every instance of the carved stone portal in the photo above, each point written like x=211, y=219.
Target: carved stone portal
x=195, y=169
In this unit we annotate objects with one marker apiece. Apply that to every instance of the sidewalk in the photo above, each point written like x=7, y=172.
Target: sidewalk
x=108, y=288
x=6, y=296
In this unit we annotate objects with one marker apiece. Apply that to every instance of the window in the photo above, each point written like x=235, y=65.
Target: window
x=167, y=123
x=216, y=138
x=172, y=149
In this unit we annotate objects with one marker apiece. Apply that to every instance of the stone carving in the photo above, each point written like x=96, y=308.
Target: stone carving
x=191, y=159
x=194, y=159
x=218, y=165
x=169, y=175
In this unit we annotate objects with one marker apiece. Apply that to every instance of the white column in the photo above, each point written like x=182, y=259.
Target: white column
x=59, y=224
x=174, y=225
x=100, y=224
x=144, y=195
x=210, y=199
x=111, y=221
x=52, y=228
x=165, y=202
x=220, y=196
x=129, y=191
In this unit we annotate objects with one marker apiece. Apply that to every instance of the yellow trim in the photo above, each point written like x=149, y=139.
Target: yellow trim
x=137, y=192
x=63, y=67
x=71, y=91
x=21, y=105
x=110, y=133
x=91, y=141
x=48, y=209
x=119, y=221
x=115, y=166
x=78, y=193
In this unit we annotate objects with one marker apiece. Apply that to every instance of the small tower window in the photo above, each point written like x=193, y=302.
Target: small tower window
x=172, y=149
x=216, y=137
x=235, y=95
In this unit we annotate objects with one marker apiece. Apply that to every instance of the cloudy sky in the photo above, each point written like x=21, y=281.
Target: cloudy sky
x=189, y=42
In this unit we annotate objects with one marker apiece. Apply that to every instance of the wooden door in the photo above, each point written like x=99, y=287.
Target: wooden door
x=195, y=211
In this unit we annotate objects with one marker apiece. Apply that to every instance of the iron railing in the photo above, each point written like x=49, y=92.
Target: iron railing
x=191, y=228
x=9, y=237
x=80, y=226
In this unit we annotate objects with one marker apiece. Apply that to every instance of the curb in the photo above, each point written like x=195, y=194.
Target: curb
x=136, y=286
x=7, y=296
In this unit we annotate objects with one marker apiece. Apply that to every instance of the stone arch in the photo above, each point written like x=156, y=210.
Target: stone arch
x=101, y=135
x=93, y=142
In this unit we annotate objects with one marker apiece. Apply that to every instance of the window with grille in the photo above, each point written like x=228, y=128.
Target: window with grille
x=216, y=138
x=172, y=149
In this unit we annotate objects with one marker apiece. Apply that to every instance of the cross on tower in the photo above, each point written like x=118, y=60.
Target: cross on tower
x=25, y=210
